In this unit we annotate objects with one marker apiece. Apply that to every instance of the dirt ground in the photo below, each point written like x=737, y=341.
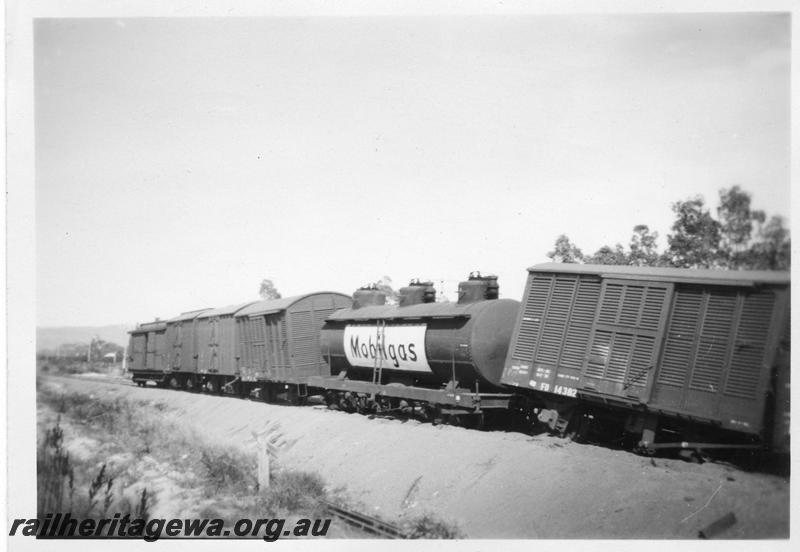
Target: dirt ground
x=491, y=484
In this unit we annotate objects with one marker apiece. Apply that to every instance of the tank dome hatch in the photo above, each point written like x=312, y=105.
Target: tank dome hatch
x=367, y=296
x=417, y=292
x=478, y=288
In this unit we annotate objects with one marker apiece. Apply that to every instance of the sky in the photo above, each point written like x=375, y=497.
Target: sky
x=181, y=161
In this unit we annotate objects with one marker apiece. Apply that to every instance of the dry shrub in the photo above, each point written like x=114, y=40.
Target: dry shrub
x=55, y=474
x=295, y=491
x=227, y=470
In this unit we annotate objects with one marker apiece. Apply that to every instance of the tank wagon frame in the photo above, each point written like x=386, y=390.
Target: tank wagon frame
x=432, y=359
x=665, y=348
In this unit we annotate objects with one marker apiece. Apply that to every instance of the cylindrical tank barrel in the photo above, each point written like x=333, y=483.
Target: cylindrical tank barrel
x=426, y=343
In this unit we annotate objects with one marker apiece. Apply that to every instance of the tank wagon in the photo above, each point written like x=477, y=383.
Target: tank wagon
x=674, y=352
x=422, y=356
x=147, y=352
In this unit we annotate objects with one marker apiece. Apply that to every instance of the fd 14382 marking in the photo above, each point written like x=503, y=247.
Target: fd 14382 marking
x=557, y=389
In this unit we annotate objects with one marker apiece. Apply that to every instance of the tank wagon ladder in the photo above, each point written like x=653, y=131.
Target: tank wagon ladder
x=380, y=341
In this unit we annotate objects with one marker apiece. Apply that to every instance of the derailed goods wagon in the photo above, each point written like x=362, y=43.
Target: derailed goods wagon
x=666, y=347
x=279, y=343
x=181, y=339
x=147, y=352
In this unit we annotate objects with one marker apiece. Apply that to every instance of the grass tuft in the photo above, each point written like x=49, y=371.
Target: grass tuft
x=295, y=491
x=225, y=469
x=430, y=527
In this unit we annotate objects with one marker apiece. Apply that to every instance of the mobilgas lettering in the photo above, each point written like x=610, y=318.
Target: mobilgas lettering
x=402, y=353
x=354, y=345
x=368, y=350
x=402, y=347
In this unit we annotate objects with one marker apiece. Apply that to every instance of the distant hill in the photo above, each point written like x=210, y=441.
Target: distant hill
x=51, y=338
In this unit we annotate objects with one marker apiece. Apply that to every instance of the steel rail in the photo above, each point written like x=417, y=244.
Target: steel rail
x=365, y=522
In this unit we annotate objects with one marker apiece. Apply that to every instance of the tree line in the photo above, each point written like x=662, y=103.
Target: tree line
x=739, y=237
x=93, y=351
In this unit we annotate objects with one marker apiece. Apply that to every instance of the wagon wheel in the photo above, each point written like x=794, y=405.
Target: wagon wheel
x=298, y=400
x=174, y=382
x=433, y=414
x=330, y=399
x=644, y=450
x=695, y=456
x=360, y=404
x=577, y=433
x=382, y=404
x=522, y=414
x=263, y=393
x=235, y=388
x=347, y=403
x=372, y=406
x=190, y=383
x=477, y=420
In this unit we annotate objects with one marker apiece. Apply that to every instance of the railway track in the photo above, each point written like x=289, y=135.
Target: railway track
x=111, y=380
x=692, y=451
x=365, y=522
x=627, y=479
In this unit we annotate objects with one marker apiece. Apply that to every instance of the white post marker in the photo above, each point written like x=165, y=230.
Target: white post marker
x=263, y=466
x=269, y=442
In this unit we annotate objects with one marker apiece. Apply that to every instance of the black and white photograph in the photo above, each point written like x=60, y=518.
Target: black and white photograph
x=316, y=274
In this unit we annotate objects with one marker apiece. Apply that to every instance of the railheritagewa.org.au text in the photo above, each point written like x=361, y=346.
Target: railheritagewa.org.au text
x=64, y=526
